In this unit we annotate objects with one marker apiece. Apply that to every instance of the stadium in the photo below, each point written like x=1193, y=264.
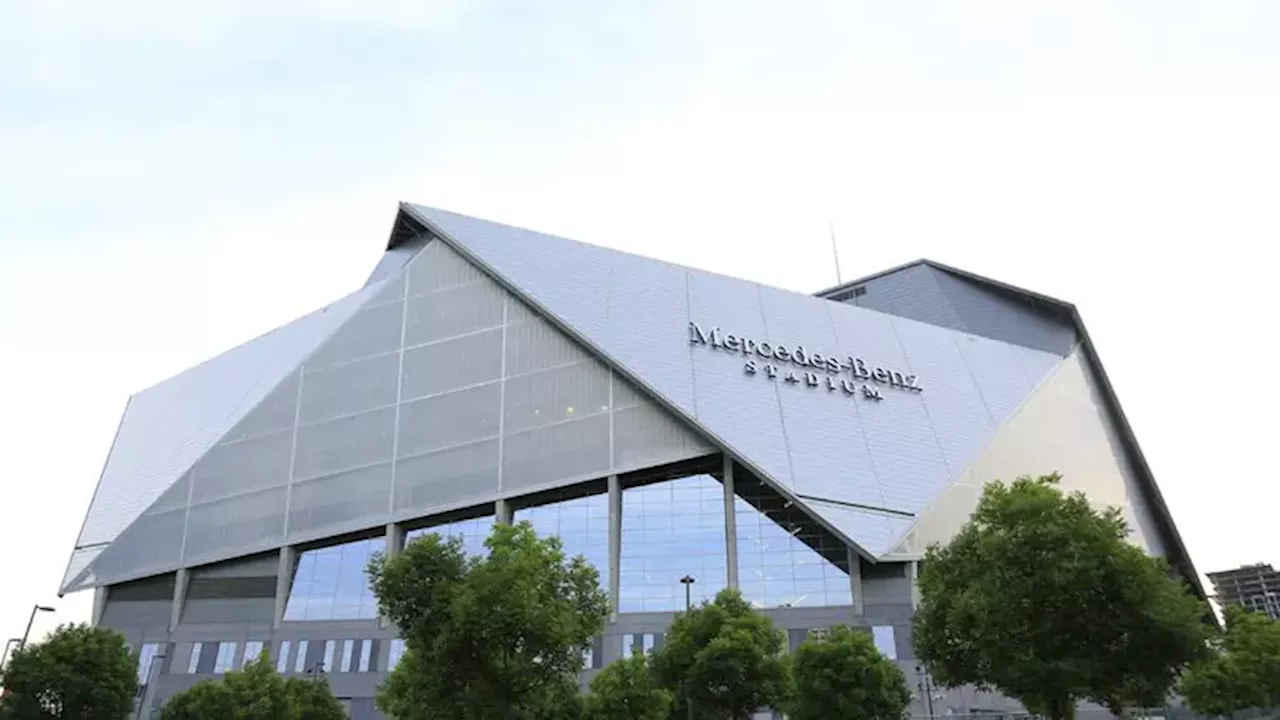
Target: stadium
x=667, y=423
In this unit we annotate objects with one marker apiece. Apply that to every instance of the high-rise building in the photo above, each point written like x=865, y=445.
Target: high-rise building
x=1256, y=587
x=663, y=421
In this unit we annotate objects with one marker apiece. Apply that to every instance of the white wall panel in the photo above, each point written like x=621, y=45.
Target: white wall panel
x=1063, y=427
x=445, y=479
x=235, y=526
x=355, y=498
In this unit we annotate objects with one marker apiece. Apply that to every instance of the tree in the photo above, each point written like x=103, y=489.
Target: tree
x=1243, y=672
x=1043, y=598
x=724, y=658
x=497, y=637
x=79, y=672
x=625, y=690
x=255, y=693
x=845, y=676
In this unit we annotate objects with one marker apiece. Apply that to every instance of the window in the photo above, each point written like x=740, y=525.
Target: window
x=330, y=646
x=194, y=663
x=647, y=643
x=670, y=530
x=397, y=651
x=785, y=559
x=146, y=656
x=882, y=635
x=581, y=523
x=473, y=532
x=588, y=656
x=628, y=645
x=348, y=647
x=282, y=662
x=330, y=583
x=252, y=650
x=366, y=652
x=300, y=662
x=226, y=659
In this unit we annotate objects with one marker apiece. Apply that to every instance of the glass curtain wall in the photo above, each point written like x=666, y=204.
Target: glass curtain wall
x=472, y=531
x=785, y=559
x=330, y=583
x=582, y=524
x=670, y=530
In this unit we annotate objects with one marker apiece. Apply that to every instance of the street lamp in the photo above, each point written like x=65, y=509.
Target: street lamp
x=34, y=610
x=12, y=644
x=688, y=582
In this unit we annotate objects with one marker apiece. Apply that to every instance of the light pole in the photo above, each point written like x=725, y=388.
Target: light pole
x=4, y=659
x=688, y=582
x=31, y=621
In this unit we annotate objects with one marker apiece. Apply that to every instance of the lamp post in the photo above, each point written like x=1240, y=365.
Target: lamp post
x=688, y=582
x=35, y=609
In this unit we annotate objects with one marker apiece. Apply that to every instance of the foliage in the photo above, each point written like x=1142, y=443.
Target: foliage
x=845, y=676
x=502, y=636
x=724, y=658
x=79, y=672
x=255, y=693
x=1043, y=598
x=1244, y=671
x=625, y=690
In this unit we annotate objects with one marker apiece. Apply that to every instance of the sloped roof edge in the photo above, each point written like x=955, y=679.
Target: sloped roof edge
x=1183, y=560
x=587, y=342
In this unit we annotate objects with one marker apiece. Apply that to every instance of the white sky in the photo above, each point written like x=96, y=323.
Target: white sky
x=177, y=178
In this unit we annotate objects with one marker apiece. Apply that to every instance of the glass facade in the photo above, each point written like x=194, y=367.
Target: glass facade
x=300, y=660
x=473, y=532
x=330, y=583
x=146, y=656
x=226, y=659
x=784, y=558
x=252, y=650
x=282, y=661
x=581, y=523
x=669, y=530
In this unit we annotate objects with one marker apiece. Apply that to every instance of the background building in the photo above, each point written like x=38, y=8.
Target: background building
x=664, y=421
x=1256, y=587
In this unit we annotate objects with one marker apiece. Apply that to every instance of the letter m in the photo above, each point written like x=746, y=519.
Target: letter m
x=697, y=336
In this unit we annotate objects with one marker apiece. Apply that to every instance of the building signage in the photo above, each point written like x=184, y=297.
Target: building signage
x=796, y=365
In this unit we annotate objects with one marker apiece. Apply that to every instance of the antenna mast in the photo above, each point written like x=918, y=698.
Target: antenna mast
x=835, y=252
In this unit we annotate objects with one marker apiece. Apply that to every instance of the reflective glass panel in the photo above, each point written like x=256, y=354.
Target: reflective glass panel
x=300, y=661
x=226, y=658
x=784, y=558
x=282, y=662
x=252, y=650
x=330, y=647
x=581, y=523
x=473, y=532
x=366, y=649
x=146, y=656
x=330, y=583
x=671, y=530
x=397, y=651
x=194, y=661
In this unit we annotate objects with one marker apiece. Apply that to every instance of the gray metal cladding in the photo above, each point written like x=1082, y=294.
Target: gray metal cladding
x=166, y=428
x=933, y=295
x=441, y=390
x=808, y=436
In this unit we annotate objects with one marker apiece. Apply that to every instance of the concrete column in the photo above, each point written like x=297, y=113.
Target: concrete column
x=395, y=545
x=99, y=605
x=913, y=574
x=730, y=525
x=855, y=581
x=284, y=580
x=179, y=597
x=502, y=512
x=615, y=545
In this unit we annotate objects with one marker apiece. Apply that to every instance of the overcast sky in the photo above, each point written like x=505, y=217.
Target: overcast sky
x=178, y=178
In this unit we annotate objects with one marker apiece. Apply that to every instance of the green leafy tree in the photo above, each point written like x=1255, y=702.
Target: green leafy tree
x=724, y=658
x=498, y=637
x=255, y=693
x=79, y=672
x=625, y=690
x=1041, y=597
x=1243, y=673
x=845, y=676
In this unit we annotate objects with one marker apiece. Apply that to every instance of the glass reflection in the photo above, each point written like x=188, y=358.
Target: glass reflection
x=669, y=530
x=784, y=558
x=581, y=523
x=473, y=532
x=330, y=583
